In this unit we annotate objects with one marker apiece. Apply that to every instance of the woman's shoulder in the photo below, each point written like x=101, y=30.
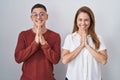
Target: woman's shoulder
x=99, y=36
x=71, y=35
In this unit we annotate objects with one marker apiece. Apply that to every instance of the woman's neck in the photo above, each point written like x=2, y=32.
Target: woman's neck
x=81, y=32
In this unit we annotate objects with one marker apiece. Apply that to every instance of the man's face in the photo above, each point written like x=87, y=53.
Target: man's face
x=39, y=16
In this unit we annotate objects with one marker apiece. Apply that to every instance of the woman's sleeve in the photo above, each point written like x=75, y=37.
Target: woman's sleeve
x=102, y=45
x=66, y=44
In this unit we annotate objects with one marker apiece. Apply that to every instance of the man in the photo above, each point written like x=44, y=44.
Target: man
x=38, y=48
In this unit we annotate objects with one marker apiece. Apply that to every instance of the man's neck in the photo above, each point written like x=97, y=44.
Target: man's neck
x=43, y=29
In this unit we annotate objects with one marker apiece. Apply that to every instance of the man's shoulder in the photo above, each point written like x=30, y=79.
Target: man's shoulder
x=26, y=31
x=53, y=33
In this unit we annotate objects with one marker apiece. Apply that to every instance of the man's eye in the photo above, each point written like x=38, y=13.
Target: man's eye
x=34, y=14
x=41, y=14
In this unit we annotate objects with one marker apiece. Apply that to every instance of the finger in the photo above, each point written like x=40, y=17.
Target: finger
x=37, y=33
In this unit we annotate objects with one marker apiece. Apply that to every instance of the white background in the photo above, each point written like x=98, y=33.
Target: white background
x=15, y=17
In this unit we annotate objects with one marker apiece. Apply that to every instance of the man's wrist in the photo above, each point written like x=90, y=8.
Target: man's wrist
x=43, y=43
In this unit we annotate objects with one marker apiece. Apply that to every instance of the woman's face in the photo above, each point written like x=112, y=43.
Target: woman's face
x=83, y=21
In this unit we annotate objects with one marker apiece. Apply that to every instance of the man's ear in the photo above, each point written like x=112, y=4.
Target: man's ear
x=47, y=17
x=31, y=17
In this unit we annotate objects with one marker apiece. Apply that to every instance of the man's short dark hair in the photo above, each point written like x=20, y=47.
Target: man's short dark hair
x=38, y=6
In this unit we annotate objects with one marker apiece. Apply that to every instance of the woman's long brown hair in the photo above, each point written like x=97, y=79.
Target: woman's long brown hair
x=91, y=29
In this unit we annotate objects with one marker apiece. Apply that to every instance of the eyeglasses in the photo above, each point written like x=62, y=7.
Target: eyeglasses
x=36, y=15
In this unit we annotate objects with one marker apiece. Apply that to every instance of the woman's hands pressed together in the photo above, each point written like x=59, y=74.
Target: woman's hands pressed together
x=84, y=41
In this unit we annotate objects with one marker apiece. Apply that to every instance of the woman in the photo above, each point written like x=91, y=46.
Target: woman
x=84, y=50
